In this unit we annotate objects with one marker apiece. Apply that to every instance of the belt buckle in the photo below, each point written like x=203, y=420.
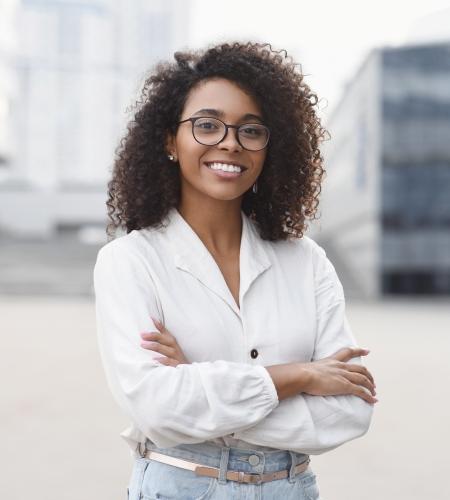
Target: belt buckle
x=139, y=449
x=255, y=478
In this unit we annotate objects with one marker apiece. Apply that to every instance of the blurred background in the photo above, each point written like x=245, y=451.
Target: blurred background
x=70, y=70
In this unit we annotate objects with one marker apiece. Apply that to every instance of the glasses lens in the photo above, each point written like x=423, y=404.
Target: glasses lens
x=208, y=131
x=253, y=136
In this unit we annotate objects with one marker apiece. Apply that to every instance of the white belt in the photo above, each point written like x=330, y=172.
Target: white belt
x=239, y=476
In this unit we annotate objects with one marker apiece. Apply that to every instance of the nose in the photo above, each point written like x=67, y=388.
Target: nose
x=230, y=142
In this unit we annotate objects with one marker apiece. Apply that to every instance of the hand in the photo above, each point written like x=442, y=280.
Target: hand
x=165, y=343
x=333, y=375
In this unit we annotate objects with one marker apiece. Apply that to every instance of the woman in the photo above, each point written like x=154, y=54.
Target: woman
x=221, y=326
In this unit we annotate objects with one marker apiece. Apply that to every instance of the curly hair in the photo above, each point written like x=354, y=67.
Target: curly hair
x=145, y=185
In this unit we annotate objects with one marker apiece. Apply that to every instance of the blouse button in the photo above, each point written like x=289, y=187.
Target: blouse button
x=254, y=353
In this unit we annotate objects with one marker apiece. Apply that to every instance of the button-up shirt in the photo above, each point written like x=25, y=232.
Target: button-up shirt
x=292, y=309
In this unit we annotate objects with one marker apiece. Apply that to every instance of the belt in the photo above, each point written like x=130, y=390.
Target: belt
x=239, y=476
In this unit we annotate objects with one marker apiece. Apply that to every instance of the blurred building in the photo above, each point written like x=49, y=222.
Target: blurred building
x=386, y=197
x=8, y=82
x=79, y=67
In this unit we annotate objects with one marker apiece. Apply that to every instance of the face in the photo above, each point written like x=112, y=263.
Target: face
x=222, y=99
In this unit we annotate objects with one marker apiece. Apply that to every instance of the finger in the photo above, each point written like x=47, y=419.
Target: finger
x=347, y=353
x=158, y=337
x=159, y=325
x=360, y=369
x=342, y=354
x=359, y=379
x=167, y=361
x=359, y=391
x=158, y=347
x=156, y=323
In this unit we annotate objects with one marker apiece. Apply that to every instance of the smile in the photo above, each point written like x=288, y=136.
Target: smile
x=225, y=167
x=225, y=170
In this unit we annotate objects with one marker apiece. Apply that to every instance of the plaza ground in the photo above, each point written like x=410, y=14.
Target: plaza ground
x=60, y=425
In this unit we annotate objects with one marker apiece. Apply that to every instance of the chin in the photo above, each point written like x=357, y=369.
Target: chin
x=223, y=196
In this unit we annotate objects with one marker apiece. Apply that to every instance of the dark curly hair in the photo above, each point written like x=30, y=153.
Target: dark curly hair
x=145, y=185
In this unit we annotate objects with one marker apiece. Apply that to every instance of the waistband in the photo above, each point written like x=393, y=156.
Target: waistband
x=236, y=459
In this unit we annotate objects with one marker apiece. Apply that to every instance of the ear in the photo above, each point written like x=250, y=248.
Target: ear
x=170, y=144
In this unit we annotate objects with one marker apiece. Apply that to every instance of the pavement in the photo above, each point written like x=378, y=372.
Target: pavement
x=60, y=425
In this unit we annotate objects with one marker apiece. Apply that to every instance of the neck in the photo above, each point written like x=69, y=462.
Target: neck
x=217, y=224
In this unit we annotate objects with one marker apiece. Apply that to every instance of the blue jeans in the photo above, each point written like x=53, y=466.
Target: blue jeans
x=151, y=480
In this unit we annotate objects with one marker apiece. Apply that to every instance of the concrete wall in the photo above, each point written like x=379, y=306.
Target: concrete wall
x=27, y=213
x=349, y=225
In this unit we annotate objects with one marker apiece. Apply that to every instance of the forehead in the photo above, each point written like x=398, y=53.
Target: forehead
x=223, y=94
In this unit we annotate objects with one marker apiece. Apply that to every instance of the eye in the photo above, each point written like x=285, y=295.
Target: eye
x=207, y=124
x=252, y=130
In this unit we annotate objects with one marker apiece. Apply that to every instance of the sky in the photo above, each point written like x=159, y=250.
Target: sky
x=330, y=39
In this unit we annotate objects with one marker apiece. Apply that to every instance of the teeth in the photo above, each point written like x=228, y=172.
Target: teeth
x=225, y=167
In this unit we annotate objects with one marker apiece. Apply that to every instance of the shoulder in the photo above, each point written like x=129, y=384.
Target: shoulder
x=125, y=264
x=137, y=246
x=308, y=255
x=309, y=252
x=317, y=252
x=306, y=244
x=325, y=276
x=126, y=244
x=304, y=247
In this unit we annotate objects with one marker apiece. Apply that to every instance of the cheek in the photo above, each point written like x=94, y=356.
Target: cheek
x=259, y=160
x=190, y=152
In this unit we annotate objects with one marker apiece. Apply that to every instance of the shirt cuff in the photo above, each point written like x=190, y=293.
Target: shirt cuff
x=271, y=390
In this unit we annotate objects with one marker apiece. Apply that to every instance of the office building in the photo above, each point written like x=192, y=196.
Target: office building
x=386, y=199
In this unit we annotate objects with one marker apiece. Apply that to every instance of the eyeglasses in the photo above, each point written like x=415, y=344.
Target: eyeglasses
x=210, y=131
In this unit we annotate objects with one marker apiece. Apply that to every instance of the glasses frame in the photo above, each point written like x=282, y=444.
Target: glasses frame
x=227, y=126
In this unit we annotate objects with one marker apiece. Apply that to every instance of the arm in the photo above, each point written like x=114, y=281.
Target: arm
x=188, y=403
x=316, y=424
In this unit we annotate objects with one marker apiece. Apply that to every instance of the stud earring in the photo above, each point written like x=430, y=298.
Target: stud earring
x=171, y=157
x=255, y=187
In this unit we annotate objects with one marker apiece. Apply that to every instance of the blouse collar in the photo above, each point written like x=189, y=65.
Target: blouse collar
x=192, y=256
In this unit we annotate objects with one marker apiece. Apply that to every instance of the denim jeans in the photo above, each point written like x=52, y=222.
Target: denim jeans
x=151, y=480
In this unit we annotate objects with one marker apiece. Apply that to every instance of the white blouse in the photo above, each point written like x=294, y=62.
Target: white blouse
x=292, y=309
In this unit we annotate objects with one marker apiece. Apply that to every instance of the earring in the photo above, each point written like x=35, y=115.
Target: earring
x=255, y=187
x=171, y=157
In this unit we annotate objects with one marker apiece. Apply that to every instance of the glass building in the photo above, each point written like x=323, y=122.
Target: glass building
x=385, y=219
x=415, y=162
x=78, y=68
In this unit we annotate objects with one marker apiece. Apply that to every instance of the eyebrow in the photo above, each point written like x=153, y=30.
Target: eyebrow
x=219, y=113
